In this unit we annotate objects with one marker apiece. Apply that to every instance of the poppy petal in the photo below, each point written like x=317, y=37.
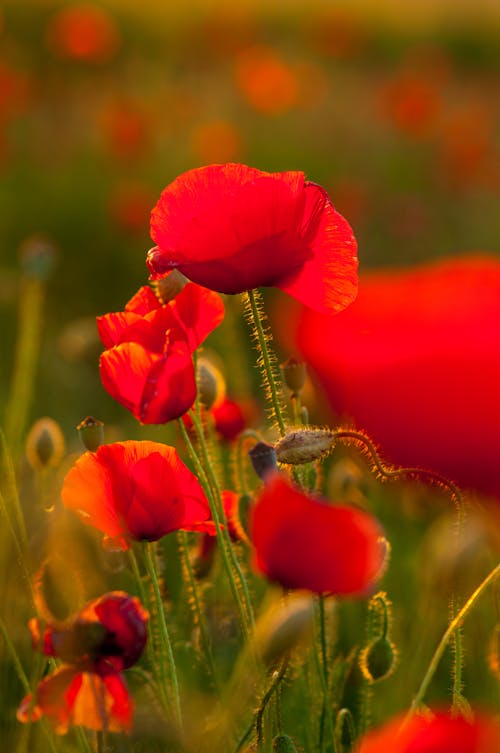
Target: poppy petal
x=301, y=542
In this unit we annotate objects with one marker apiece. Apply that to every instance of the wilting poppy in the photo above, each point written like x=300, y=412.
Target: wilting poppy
x=305, y=542
x=435, y=734
x=415, y=361
x=136, y=490
x=232, y=228
x=107, y=636
x=147, y=366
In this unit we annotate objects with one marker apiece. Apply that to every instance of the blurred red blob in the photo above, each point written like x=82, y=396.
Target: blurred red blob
x=412, y=103
x=266, y=82
x=465, y=148
x=304, y=542
x=138, y=491
x=83, y=32
x=130, y=206
x=415, y=361
x=147, y=365
x=232, y=228
x=229, y=418
x=126, y=128
x=438, y=734
x=15, y=90
x=107, y=636
x=216, y=141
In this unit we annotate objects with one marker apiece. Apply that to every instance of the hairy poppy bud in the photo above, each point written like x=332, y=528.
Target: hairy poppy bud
x=283, y=744
x=168, y=287
x=263, y=457
x=378, y=659
x=91, y=432
x=45, y=444
x=304, y=446
x=294, y=374
x=211, y=385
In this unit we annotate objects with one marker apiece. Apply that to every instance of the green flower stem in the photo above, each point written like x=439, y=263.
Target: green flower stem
x=195, y=599
x=8, y=489
x=266, y=360
x=322, y=662
x=278, y=677
x=31, y=300
x=454, y=624
x=150, y=653
x=20, y=556
x=167, y=662
x=219, y=531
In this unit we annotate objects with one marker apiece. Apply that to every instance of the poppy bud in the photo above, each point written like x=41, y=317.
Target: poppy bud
x=378, y=659
x=45, y=444
x=211, y=385
x=304, y=446
x=91, y=432
x=168, y=287
x=37, y=256
x=264, y=460
x=283, y=744
x=294, y=374
x=282, y=627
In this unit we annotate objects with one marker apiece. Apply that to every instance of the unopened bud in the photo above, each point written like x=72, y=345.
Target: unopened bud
x=283, y=744
x=279, y=630
x=294, y=374
x=378, y=659
x=211, y=384
x=304, y=446
x=264, y=460
x=37, y=256
x=45, y=444
x=169, y=286
x=91, y=432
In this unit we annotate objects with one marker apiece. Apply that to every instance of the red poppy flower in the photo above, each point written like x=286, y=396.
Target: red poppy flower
x=136, y=490
x=147, y=366
x=229, y=419
x=105, y=637
x=435, y=735
x=415, y=361
x=83, y=32
x=231, y=228
x=301, y=542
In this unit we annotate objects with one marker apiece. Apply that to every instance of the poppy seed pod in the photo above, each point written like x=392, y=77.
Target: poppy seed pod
x=91, y=432
x=45, y=444
x=294, y=373
x=263, y=457
x=304, y=446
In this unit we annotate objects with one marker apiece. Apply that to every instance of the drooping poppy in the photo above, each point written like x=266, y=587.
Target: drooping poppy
x=147, y=366
x=136, y=490
x=442, y=732
x=107, y=636
x=232, y=228
x=415, y=361
x=305, y=542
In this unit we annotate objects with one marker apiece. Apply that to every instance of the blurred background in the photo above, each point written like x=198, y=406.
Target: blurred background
x=102, y=104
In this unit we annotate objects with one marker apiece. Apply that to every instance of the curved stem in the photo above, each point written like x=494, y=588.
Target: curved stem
x=259, y=716
x=454, y=624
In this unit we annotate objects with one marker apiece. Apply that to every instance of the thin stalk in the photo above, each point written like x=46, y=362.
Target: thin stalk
x=194, y=592
x=167, y=661
x=259, y=716
x=8, y=489
x=322, y=661
x=454, y=624
x=266, y=360
x=25, y=360
x=145, y=601
x=214, y=509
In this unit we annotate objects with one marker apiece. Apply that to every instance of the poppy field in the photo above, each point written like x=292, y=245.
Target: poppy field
x=249, y=445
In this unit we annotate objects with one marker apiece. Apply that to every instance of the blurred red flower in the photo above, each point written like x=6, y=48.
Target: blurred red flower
x=147, y=364
x=435, y=735
x=415, y=361
x=265, y=80
x=304, y=542
x=231, y=228
x=83, y=32
x=107, y=636
x=136, y=490
x=229, y=418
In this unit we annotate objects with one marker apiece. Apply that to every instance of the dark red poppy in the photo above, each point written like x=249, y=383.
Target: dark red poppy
x=435, y=734
x=136, y=490
x=231, y=228
x=415, y=361
x=305, y=542
x=105, y=637
x=147, y=366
